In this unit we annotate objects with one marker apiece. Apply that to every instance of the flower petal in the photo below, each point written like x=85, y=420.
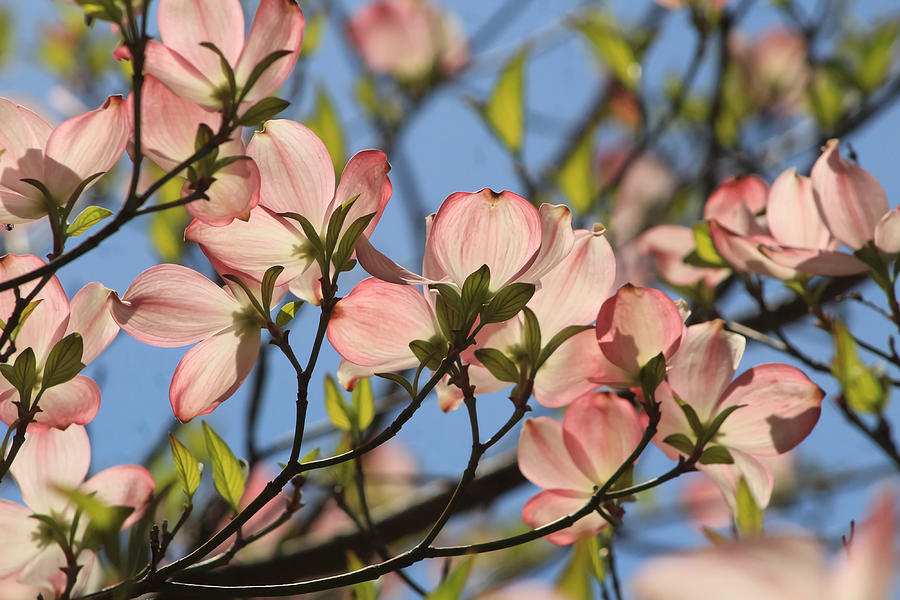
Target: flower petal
x=185, y=24
x=44, y=326
x=123, y=485
x=792, y=213
x=545, y=459
x=601, y=431
x=380, y=266
x=23, y=136
x=815, y=262
x=84, y=146
x=557, y=238
x=757, y=475
x=73, y=402
x=569, y=372
x=366, y=178
x=502, y=231
x=887, y=233
x=736, y=202
x=212, y=371
x=704, y=365
x=866, y=570
x=296, y=172
x=374, y=324
x=171, y=305
x=17, y=528
x=47, y=459
x=670, y=245
x=180, y=76
x=278, y=25
x=550, y=505
x=233, y=194
x=91, y=316
x=743, y=254
x=782, y=407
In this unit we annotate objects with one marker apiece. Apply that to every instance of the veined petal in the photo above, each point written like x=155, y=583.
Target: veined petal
x=17, y=528
x=600, y=431
x=233, y=194
x=569, y=372
x=23, y=136
x=672, y=421
x=308, y=285
x=792, y=213
x=380, y=266
x=637, y=324
x=47, y=459
x=84, y=146
x=757, y=475
x=887, y=233
x=278, y=25
x=365, y=177
x=212, y=371
x=815, y=262
x=45, y=573
x=742, y=252
x=781, y=408
x=73, y=402
x=374, y=324
x=171, y=305
x=91, y=316
x=123, y=485
x=704, y=365
x=44, y=326
x=16, y=208
x=736, y=202
x=850, y=199
x=264, y=240
x=573, y=292
x=185, y=24
x=296, y=171
x=545, y=458
x=557, y=239
x=349, y=373
x=502, y=231
x=180, y=76
x=550, y=505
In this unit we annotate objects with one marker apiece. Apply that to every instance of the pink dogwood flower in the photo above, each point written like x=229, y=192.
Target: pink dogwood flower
x=569, y=460
x=669, y=245
x=407, y=38
x=168, y=133
x=778, y=407
x=171, y=305
x=297, y=176
x=48, y=460
x=53, y=318
x=781, y=567
x=194, y=72
x=61, y=158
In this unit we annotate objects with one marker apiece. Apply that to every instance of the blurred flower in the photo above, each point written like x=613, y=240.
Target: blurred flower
x=773, y=67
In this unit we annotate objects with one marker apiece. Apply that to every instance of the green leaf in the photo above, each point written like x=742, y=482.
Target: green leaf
x=312, y=31
x=693, y=420
x=250, y=296
x=705, y=254
x=308, y=230
x=64, y=361
x=452, y=587
x=310, y=456
x=186, y=467
x=826, y=97
x=652, y=374
x=166, y=227
x=262, y=111
x=105, y=519
x=7, y=39
x=22, y=375
x=349, y=239
x=716, y=455
x=429, y=353
x=89, y=217
x=575, y=580
x=680, y=442
x=507, y=303
x=475, y=289
x=258, y=71
x=268, y=286
x=450, y=296
x=500, y=365
x=558, y=340
x=363, y=403
x=366, y=589
x=102, y=10
x=228, y=475
x=505, y=109
x=713, y=428
x=226, y=69
x=326, y=123
x=26, y=312
x=749, y=515
x=399, y=380
x=576, y=177
x=288, y=312
x=531, y=336
x=339, y=412
x=863, y=390
x=609, y=43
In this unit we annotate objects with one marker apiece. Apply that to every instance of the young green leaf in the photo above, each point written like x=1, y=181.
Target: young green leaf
x=575, y=580
x=186, y=466
x=399, y=380
x=363, y=403
x=507, y=303
x=326, y=123
x=260, y=68
x=500, y=365
x=531, y=335
x=262, y=111
x=26, y=312
x=22, y=375
x=226, y=68
x=475, y=289
x=680, y=442
x=89, y=217
x=608, y=41
x=652, y=374
x=749, y=515
x=342, y=416
x=365, y=590
x=429, y=353
x=716, y=455
x=705, y=254
x=576, y=178
x=228, y=475
x=452, y=587
x=863, y=389
x=268, y=286
x=288, y=312
x=349, y=239
x=64, y=361
x=505, y=109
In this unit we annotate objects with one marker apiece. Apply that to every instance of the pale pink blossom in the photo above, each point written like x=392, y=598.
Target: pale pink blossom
x=194, y=72
x=61, y=159
x=779, y=406
x=781, y=567
x=569, y=460
x=170, y=305
x=168, y=133
x=53, y=318
x=47, y=461
x=634, y=326
x=297, y=176
x=774, y=68
x=407, y=38
x=669, y=245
